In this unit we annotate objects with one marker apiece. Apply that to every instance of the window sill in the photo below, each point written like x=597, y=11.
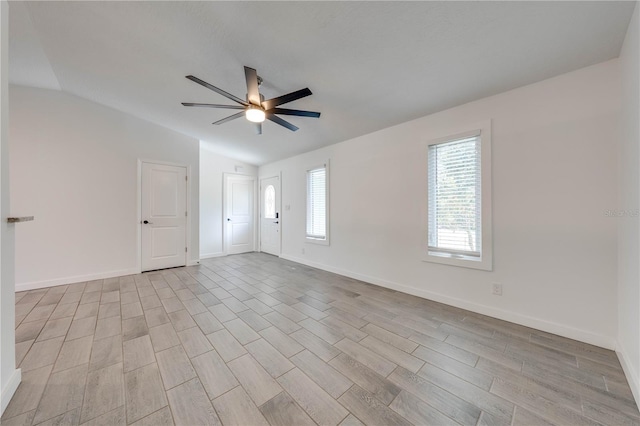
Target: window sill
x=458, y=260
x=324, y=242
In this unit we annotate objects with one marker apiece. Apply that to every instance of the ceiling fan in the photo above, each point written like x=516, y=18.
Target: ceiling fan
x=255, y=108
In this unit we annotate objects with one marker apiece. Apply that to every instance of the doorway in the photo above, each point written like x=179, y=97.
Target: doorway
x=238, y=224
x=270, y=220
x=163, y=211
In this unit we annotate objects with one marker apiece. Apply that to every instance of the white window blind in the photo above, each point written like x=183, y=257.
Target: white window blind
x=455, y=223
x=317, y=203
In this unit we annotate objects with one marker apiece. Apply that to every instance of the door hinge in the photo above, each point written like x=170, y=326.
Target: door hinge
x=186, y=178
x=185, y=214
x=185, y=249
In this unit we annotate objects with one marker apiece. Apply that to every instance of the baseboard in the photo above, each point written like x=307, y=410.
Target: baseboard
x=10, y=388
x=630, y=373
x=75, y=279
x=539, y=324
x=210, y=255
x=193, y=262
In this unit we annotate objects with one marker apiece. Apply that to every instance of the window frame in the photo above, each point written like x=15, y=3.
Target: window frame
x=485, y=261
x=308, y=238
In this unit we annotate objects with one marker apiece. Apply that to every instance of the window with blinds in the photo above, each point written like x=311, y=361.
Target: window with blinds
x=317, y=203
x=454, y=198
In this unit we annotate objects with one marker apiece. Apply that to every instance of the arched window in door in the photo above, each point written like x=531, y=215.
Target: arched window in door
x=270, y=202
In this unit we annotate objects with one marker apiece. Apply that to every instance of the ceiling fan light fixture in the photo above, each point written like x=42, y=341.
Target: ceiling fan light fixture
x=255, y=114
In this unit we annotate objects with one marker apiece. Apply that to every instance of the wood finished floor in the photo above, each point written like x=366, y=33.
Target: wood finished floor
x=253, y=339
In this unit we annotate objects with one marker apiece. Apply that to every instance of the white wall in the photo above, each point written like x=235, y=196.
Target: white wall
x=212, y=167
x=74, y=166
x=9, y=375
x=554, y=175
x=628, y=345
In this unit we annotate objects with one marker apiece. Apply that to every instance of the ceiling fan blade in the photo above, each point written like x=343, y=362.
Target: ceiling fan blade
x=191, y=104
x=253, y=94
x=258, y=127
x=296, y=112
x=289, y=97
x=281, y=122
x=231, y=117
x=215, y=89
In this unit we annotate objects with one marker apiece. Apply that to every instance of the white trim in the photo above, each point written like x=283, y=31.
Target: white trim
x=193, y=262
x=261, y=207
x=10, y=388
x=486, y=261
x=211, y=255
x=629, y=372
x=585, y=336
x=76, y=279
x=188, y=230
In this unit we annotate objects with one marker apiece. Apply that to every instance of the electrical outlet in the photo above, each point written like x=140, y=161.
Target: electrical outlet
x=496, y=289
x=302, y=250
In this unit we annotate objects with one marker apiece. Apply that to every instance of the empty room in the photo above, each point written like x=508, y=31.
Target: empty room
x=320, y=213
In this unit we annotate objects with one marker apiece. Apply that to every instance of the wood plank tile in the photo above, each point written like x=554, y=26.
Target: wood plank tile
x=392, y=354
x=445, y=348
x=87, y=310
x=282, y=410
x=215, y=376
x=190, y=405
x=163, y=337
x=282, y=322
x=236, y=408
x=156, y=316
x=113, y=417
x=194, y=342
x=29, y=330
x=222, y=313
x=131, y=310
x=320, y=406
x=181, y=320
x=29, y=392
x=380, y=387
x=108, y=327
x=366, y=356
x=41, y=354
x=241, y=331
x=450, y=365
x=162, y=417
x=82, y=327
x=443, y=401
x=316, y=345
x=106, y=352
x=418, y=412
x=69, y=383
x=269, y=357
x=283, y=343
x=549, y=410
x=54, y=328
x=226, y=345
x=104, y=392
x=144, y=392
x=390, y=338
x=137, y=353
x=253, y=320
x=134, y=327
x=74, y=353
x=109, y=310
x=260, y=386
x=174, y=366
x=324, y=332
x=207, y=322
x=332, y=381
x=366, y=407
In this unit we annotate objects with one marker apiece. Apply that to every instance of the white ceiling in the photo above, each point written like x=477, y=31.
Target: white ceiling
x=370, y=65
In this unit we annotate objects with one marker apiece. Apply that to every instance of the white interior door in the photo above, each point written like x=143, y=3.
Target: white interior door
x=163, y=216
x=239, y=227
x=270, y=220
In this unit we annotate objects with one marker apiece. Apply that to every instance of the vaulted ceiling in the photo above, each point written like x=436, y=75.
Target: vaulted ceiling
x=370, y=65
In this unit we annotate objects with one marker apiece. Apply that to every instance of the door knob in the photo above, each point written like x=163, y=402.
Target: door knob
x=146, y=222
x=228, y=219
x=276, y=222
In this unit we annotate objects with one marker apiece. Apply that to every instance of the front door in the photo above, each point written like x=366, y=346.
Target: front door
x=270, y=219
x=239, y=219
x=164, y=216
